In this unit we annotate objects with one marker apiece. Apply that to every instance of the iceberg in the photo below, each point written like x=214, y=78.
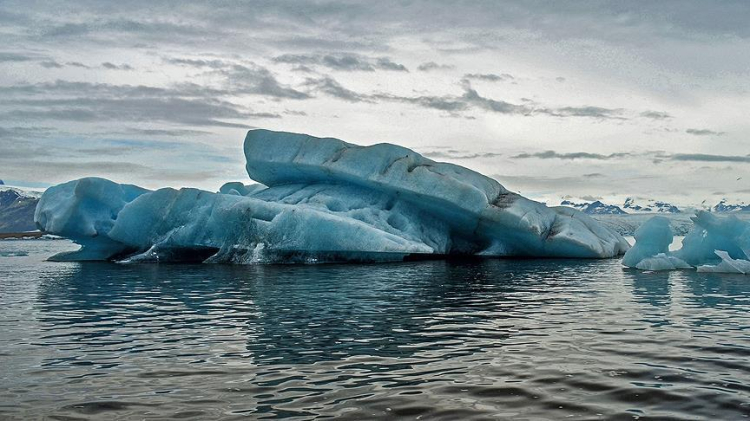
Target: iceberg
x=320, y=200
x=715, y=244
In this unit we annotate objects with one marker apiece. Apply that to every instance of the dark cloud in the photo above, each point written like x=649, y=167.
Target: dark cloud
x=594, y=175
x=431, y=65
x=656, y=115
x=112, y=66
x=332, y=88
x=454, y=104
x=703, y=132
x=185, y=104
x=77, y=64
x=442, y=103
x=258, y=81
x=490, y=77
x=342, y=62
x=51, y=64
x=709, y=158
x=199, y=63
x=473, y=98
x=385, y=63
x=587, y=111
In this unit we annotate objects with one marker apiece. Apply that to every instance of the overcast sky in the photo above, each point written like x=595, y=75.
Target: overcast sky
x=595, y=99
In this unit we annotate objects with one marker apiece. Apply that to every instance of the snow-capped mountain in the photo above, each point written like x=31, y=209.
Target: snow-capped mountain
x=726, y=206
x=594, y=208
x=633, y=205
x=630, y=206
x=17, y=209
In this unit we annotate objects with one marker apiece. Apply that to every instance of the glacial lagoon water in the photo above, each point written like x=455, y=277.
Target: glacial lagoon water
x=492, y=339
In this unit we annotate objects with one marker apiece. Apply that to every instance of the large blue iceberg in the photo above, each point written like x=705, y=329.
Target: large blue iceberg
x=715, y=244
x=320, y=199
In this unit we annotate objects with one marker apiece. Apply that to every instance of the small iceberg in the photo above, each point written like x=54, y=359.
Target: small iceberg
x=715, y=244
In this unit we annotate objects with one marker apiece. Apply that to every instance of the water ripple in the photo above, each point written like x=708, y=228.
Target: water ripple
x=498, y=339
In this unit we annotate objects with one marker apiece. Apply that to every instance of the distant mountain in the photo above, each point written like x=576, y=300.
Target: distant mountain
x=648, y=206
x=594, y=208
x=17, y=210
x=726, y=206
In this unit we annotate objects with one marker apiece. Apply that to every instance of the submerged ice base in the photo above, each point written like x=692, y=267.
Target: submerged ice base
x=715, y=244
x=320, y=199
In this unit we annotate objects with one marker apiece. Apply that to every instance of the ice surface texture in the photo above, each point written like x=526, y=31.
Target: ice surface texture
x=320, y=199
x=715, y=244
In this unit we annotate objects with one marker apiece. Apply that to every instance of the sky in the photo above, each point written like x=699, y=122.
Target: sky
x=589, y=99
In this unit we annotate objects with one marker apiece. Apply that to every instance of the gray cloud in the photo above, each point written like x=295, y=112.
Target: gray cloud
x=572, y=155
x=709, y=158
x=163, y=132
x=442, y=103
x=455, y=154
x=469, y=99
x=587, y=111
x=6, y=57
x=18, y=132
x=101, y=29
x=332, y=88
x=259, y=81
x=77, y=64
x=343, y=62
x=51, y=64
x=112, y=66
x=490, y=77
x=656, y=115
x=385, y=63
x=199, y=63
x=657, y=156
x=186, y=104
x=472, y=97
x=703, y=132
x=431, y=65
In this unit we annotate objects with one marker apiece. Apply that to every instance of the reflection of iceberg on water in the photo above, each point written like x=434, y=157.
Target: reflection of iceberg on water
x=715, y=244
x=320, y=200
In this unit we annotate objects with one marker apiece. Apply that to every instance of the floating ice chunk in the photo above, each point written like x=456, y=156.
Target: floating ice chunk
x=325, y=200
x=85, y=211
x=715, y=244
x=662, y=261
x=715, y=233
x=652, y=238
x=727, y=265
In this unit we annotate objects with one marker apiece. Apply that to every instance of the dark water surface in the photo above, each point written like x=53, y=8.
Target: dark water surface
x=497, y=339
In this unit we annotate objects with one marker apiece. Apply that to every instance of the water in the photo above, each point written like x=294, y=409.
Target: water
x=526, y=339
